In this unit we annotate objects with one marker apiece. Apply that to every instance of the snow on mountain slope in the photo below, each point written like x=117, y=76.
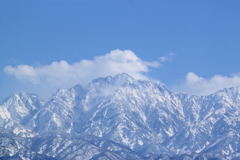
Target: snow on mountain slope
x=62, y=146
x=17, y=110
x=21, y=107
x=127, y=116
x=210, y=120
x=58, y=113
x=143, y=116
x=11, y=147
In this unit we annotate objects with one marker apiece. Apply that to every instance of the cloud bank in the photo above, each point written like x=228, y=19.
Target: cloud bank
x=63, y=74
x=193, y=84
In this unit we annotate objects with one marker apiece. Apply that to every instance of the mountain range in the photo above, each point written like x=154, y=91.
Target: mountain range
x=121, y=118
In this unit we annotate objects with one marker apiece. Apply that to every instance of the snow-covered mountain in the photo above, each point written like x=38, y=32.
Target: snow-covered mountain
x=121, y=118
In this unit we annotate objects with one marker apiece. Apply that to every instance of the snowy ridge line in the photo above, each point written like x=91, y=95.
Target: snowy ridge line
x=120, y=112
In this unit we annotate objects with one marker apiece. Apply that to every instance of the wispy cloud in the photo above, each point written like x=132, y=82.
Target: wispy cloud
x=167, y=57
x=63, y=74
x=196, y=85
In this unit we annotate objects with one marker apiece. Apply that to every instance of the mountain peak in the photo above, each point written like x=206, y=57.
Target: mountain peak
x=117, y=80
x=123, y=76
x=228, y=91
x=23, y=96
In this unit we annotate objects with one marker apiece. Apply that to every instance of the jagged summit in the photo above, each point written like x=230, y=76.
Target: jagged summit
x=229, y=91
x=122, y=118
x=123, y=76
x=118, y=79
x=24, y=96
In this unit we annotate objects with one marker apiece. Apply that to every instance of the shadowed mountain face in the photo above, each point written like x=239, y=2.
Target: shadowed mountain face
x=121, y=118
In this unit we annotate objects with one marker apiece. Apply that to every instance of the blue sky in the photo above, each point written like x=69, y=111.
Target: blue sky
x=190, y=46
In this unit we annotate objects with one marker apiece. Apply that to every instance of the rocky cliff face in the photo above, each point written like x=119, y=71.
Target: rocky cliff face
x=121, y=118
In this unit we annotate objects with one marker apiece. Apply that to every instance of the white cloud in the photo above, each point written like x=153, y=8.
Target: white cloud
x=167, y=57
x=193, y=84
x=63, y=74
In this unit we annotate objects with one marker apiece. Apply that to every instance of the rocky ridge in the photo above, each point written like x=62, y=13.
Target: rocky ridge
x=121, y=118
